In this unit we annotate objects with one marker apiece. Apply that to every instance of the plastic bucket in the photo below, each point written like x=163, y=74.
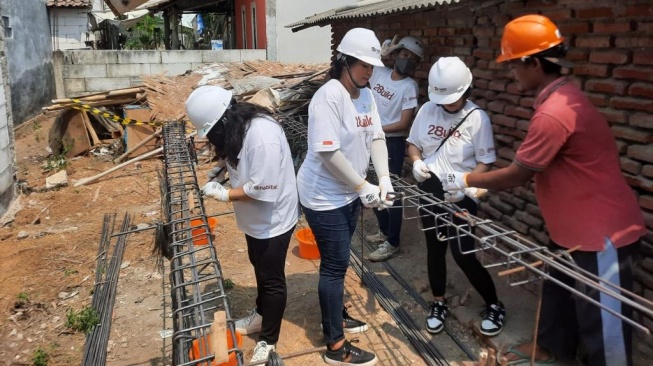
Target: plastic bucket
x=198, y=350
x=307, y=245
x=200, y=236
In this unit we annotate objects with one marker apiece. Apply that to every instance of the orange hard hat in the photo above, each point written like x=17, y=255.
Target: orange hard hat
x=528, y=35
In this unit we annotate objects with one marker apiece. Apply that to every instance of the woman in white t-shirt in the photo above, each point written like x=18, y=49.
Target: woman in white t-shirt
x=344, y=131
x=264, y=195
x=451, y=133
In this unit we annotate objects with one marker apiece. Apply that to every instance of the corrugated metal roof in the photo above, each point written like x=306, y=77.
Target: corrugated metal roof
x=366, y=8
x=69, y=3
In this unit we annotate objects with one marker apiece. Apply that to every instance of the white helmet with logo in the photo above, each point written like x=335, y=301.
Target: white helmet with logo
x=449, y=79
x=362, y=44
x=206, y=105
x=412, y=44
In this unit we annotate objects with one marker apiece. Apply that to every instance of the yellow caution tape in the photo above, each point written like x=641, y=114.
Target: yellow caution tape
x=113, y=117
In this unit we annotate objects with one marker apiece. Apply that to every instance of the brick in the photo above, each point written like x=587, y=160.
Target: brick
x=527, y=102
x=515, y=224
x=484, y=53
x=630, y=166
x=599, y=100
x=508, y=140
x=507, y=197
x=523, y=124
x=504, y=120
x=533, y=209
x=498, y=84
x=483, y=74
x=577, y=54
x=574, y=27
x=641, y=152
x=647, y=171
x=640, y=10
x=607, y=86
x=639, y=104
x=641, y=120
x=598, y=12
x=632, y=134
x=594, y=41
x=633, y=72
x=641, y=89
x=520, y=112
x=510, y=98
x=558, y=14
x=639, y=182
x=622, y=147
x=633, y=41
x=613, y=27
x=506, y=153
x=646, y=201
x=532, y=221
x=618, y=57
x=592, y=70
x=643, y=57
x=492, y=212
x=614, y=116
x=646, y=28
x=496, y=202
x=541, y=237
x=497, y=106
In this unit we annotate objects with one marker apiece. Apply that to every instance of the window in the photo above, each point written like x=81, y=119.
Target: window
x=243, y=15
x=254, y=33
x=7, y=28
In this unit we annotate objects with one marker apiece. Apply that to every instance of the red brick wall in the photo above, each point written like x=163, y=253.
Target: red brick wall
x=612, y=45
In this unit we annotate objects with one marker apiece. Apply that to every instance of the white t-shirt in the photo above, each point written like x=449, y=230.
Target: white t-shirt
x=392, y=96
x=336, y=122
x=472, y=142
x=266, y=173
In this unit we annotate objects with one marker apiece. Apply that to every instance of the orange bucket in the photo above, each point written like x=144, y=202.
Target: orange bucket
x=200, y=237
x=307, y=245
x=198, y=350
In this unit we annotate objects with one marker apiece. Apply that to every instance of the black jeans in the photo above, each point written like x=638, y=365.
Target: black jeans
x=390, y=219
x=436, y=250
x=268, y=256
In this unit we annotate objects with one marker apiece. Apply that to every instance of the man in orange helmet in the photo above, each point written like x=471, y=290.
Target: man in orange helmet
x=584, y=199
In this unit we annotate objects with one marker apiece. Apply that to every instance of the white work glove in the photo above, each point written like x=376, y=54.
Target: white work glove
x=420, y=171
x=385, y=186
x=369, y=195
x=216, y=190
x=453, y=197
x=474, y=192
x=388, y=45
x=453, y=181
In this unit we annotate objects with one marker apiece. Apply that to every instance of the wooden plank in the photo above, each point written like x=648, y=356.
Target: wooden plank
x=69, y=134
x=218, y=344
x=91, y=130
x=138, y=133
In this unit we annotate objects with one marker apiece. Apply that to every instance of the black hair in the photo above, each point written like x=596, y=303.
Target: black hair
x=340, y=63
x=548, y=67
x=228, y=134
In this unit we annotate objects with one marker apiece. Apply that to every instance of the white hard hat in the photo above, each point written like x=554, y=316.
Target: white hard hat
x=449, y=79
x=206, y=105
x=412, y=44
x=362, y=44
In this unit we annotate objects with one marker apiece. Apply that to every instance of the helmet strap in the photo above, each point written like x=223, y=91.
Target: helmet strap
x=352, y=78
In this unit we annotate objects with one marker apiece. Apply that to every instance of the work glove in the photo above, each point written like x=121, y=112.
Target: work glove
x=216, y=190
x=369, y=195
x=420, y=171
x=453, y=181
x=385, y=186
x=474, y=192
x=455, y=196
x=388, y=45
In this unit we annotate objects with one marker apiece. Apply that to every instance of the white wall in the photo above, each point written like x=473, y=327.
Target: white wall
x=68, y=27
x=308, y=45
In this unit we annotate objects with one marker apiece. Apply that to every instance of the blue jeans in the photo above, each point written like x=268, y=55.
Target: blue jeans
x=390, y=219
x=333, y=231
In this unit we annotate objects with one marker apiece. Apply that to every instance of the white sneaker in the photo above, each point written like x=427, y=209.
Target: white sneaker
x=377, y=238
x=262, y=351
x=384, y=252
x=249, y=324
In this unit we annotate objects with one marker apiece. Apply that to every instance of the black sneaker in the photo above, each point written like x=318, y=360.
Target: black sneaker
x=349, y=354
x=493, y=318
x=351, y=325
x=437, y=315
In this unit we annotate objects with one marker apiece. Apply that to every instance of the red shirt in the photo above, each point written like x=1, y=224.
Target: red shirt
x=580, y=189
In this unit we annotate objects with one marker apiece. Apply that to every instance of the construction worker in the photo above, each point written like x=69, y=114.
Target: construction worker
x=582, y=194
x=450, y=132
x=395, y=93
x=264, y=195
x=344, y=131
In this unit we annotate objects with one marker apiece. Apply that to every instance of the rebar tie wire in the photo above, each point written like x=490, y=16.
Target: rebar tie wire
x=196, y=279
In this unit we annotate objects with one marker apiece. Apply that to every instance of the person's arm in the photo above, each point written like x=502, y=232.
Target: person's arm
x=403, y=124
x=336, y=162
x=511, y=176
x=379, y=153
x=414, y=153
x=238, y=194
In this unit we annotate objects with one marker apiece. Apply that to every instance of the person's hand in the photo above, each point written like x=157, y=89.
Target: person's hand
x=453, y=197
x=385, y=186
x=420, y=171
x=369, y=195
x=475, y=192
x=453, y=181
x=216, y=190
x=388, y=45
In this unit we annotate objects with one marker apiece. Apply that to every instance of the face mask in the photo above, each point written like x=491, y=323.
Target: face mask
x=405, y=66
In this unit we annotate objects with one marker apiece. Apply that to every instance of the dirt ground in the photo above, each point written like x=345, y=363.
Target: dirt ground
x=48, y=264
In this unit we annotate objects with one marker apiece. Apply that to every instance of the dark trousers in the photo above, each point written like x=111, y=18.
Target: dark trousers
x=390, y=219
x=268, y=256
x=436, y=250
x=333, y=230
x=567, y=321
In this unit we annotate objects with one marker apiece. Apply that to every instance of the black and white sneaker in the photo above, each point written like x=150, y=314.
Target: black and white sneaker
x=351, y=325
x=437, y=315
x=493, y=318
x=349, y=354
